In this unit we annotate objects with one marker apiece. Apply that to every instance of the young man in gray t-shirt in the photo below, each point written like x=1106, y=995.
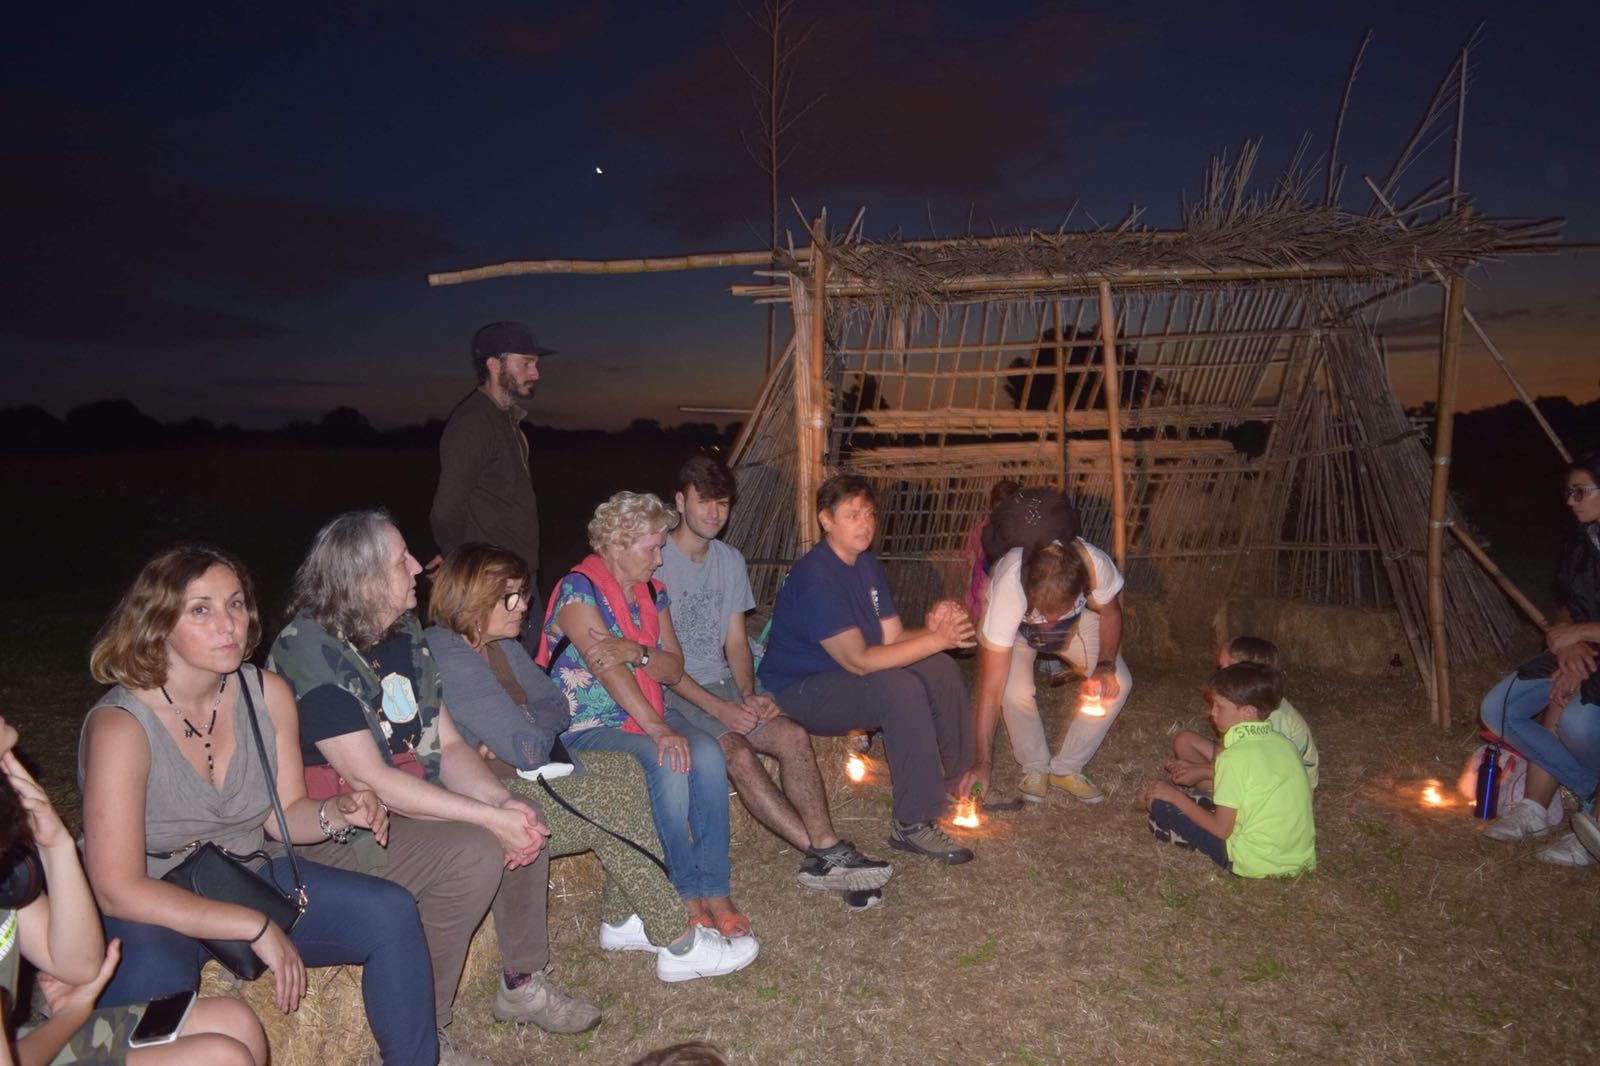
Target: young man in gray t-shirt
x=710, y=593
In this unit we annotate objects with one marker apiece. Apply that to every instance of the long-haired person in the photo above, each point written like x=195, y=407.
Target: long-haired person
x=1549, y=708
x=502, y=702
x=167, y=760
x=374, y=717
x=612, y=650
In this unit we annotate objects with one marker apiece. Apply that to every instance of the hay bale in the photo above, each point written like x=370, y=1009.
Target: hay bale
x=331, y=1025
x=1356, y=640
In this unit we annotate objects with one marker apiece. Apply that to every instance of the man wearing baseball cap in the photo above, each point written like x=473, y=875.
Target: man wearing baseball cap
x=485, y=491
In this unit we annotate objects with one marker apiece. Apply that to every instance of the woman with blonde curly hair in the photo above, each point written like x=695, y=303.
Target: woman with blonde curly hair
x=609, y=644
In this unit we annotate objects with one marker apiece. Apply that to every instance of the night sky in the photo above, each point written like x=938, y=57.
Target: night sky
x=228, y=211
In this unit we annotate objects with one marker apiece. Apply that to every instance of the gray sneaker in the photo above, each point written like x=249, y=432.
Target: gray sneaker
x=927, y=839
x=451, y=1054
x=542, y=1002
x=1587, y=831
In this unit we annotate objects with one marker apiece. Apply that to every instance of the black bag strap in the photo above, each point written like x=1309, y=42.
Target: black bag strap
x=632, y=844
x=272, y=790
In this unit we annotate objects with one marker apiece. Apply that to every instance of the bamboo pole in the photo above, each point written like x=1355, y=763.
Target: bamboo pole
x=1513, y=593
x=1108, y=347
x=1439, y=497
x=809, y=426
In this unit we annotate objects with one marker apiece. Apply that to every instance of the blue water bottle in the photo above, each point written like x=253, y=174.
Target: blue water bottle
x=1486, y=797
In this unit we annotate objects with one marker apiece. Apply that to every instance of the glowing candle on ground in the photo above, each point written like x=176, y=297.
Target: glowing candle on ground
x=1431, y=796
x=1089, y=692
x=855, y=768
x=966, y=813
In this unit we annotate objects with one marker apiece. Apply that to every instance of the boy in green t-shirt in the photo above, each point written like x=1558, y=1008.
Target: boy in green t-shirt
x=1193, y=754
x=1260, y=823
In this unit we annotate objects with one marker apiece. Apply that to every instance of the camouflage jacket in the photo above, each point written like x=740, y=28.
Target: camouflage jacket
x=308, y=657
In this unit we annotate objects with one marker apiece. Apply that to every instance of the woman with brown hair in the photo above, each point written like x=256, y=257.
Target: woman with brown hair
x=510, y=709
x=168, y=760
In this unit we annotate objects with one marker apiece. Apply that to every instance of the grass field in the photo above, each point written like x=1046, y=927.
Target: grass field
x=1074, y=937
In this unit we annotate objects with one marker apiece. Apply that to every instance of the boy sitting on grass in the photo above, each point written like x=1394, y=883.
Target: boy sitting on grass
x=1193, y=754
x=1260, y=823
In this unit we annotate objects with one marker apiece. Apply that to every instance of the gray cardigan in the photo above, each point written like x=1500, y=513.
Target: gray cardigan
x=518, y=734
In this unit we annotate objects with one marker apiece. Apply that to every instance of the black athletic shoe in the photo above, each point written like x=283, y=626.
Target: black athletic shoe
x=928, y=840
x=1000, y=800
x=842, y=867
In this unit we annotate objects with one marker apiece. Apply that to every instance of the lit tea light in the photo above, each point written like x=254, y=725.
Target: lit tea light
x=855, y=768
x=1089, y=691
x=1431, y=796
x=966, y=813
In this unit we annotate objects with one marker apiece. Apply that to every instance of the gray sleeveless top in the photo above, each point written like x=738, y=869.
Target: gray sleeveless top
x=180, y=806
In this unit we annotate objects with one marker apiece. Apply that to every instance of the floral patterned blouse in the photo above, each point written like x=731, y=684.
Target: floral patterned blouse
x=591, y=705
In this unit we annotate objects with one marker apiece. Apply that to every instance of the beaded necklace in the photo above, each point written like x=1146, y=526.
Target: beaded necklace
x=192, y=730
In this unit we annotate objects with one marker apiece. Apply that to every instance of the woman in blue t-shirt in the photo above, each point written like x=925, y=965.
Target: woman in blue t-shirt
x=840, y=661
x=610, y=648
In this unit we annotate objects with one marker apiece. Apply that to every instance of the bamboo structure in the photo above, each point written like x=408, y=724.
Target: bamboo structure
x=1439, y=495
x=1215, y=396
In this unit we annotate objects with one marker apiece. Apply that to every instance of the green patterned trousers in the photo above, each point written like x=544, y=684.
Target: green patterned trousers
x=611, y=791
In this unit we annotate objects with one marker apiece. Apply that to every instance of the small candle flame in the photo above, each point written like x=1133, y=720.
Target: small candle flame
x=1431, y=796
x=855, y=768
x=966, y=813
x=1089, y=691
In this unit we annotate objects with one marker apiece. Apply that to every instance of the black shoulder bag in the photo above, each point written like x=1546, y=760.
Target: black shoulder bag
x=215, y=873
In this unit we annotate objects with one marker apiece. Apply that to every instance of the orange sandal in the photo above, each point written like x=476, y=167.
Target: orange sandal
x=729, y=922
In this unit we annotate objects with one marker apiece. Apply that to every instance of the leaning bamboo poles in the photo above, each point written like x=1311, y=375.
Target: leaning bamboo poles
x=1443, y=439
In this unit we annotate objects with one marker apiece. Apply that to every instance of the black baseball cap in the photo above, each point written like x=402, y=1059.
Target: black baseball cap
x=506, y=338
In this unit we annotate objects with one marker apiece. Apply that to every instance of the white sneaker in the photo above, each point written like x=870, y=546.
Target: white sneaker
x=1587, y=831
x=1527, y=819
x=711, y=955
x=629, y=936
x=1568, y=851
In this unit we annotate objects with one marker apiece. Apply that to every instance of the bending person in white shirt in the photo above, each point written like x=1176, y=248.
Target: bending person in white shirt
x=1054, y=599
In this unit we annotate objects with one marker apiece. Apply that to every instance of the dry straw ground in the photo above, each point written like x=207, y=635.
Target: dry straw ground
x=1075, y=937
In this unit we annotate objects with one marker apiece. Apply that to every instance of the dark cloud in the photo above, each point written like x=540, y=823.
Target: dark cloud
x=283, y=381
x=940, y=102
x=121, y=255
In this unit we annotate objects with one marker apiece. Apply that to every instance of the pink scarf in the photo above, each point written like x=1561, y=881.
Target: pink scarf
x=615, y=602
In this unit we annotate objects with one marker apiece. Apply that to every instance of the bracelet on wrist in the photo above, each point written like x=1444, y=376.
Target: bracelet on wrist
x=1106, y=664
x=265, y=922
x=341, y=835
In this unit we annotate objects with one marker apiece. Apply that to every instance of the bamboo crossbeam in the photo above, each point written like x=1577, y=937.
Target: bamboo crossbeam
x=978, y=283
x=1125, y=340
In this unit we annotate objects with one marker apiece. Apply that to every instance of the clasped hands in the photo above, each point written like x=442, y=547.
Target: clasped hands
x=950, y=621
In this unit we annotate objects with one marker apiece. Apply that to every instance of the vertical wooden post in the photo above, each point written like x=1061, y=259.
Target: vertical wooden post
x=1439, y=498
x=809, y=429
x=1113, y=400
x=1061, y=398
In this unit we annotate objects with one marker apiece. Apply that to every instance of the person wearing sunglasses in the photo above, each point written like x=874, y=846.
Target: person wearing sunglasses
x=1549, y=708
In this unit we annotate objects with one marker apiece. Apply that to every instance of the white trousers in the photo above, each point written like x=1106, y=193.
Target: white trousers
x=1020, y=706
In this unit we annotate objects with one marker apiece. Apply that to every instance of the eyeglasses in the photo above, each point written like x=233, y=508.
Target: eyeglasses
x=516, y=599
x=1575, y=493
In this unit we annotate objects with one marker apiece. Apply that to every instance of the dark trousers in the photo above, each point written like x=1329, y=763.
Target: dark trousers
x=1172, y=825
x=925, y=716
x=349, y=919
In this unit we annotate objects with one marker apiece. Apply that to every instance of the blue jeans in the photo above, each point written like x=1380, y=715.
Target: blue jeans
x=1571, y=754
x=350, y=919
x=690, y=810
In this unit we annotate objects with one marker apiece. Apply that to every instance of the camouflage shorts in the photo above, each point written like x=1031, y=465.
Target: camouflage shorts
x=102, y=1040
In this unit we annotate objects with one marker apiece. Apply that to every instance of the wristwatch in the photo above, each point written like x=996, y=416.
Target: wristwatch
x=644, y=655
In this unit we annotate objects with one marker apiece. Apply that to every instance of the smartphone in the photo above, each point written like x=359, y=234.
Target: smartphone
x=163, y=1017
